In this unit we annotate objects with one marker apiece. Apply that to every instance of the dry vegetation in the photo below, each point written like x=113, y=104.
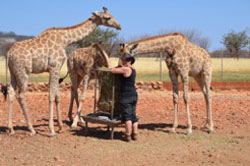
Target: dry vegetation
x=148, y=69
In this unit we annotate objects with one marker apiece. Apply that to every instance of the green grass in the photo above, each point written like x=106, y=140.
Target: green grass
x=148, y=70
x=231, y=76
x=231, y=65
x=151, y=77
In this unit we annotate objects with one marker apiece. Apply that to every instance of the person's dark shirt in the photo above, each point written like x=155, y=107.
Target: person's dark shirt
x=127, y=86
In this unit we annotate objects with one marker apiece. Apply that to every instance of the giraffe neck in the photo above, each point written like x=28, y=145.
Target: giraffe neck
x=158, y=44
x=102, y=54
x=67, y=35
x=80, y=32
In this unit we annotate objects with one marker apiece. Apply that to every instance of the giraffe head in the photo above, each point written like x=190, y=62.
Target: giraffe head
x=128, y=48
x=105, y=18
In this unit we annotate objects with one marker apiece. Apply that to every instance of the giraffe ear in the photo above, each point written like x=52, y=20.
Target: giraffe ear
x=122, y=45
x=133, y=47
x=105, y=9
x=107, y=18
x=97, y=14
x=122, y=49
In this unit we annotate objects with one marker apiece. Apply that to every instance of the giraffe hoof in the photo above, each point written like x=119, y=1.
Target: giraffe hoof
x=189, y=133
x=73, y=127
x=60, y=130
x=81, y=124
x=11, y=132
x=209, y=128
x=210, y=131
x=70, y=119
x=32, y=133
x=172, y=131
x=53, y=135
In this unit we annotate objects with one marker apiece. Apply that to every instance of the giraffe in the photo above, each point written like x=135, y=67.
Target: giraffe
x=82, y=64
x=183, y=59
x=46, y=53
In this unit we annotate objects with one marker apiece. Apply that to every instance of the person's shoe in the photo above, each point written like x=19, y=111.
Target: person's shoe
x=127, y=138
x=134, y=136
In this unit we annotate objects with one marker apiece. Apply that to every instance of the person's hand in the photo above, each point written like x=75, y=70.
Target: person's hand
x=104, y=69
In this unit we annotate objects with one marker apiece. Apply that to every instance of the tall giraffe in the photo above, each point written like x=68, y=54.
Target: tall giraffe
x=46, y=53
x=184, y=59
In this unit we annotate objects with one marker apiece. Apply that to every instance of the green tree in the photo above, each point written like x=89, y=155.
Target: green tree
x=248, y=33
x=235, y=42
x=106, y=37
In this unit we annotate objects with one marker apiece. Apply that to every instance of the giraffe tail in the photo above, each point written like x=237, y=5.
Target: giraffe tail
x=5, y=50
x=61, y=79
x=4, y=90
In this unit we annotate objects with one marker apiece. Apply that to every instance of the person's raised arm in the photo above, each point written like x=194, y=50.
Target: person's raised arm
x=118, y=70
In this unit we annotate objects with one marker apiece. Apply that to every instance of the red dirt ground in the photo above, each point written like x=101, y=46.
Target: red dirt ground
x=228, y=145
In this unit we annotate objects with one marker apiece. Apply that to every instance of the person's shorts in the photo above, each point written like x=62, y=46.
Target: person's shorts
x=128, y=110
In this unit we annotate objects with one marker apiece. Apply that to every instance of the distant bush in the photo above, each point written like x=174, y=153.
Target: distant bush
x=10, y=37
x=227, y=54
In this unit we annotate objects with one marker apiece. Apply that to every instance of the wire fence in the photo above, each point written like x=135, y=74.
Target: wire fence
x=155, y=69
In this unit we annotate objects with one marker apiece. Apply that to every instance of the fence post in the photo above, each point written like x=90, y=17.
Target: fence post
x=161, y=66
x=222, y=71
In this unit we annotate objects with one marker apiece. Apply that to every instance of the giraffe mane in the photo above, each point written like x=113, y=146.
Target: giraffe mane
x=159, y=36
x=69, y=27
x=105, y=55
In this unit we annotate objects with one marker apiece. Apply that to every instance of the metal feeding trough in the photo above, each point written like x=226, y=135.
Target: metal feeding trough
x=106, y=102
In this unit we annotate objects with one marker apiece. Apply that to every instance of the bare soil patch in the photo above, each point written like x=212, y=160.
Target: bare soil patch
x=228, y=145
x=215, y=86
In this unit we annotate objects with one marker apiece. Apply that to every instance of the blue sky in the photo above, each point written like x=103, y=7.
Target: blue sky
x=213, y=18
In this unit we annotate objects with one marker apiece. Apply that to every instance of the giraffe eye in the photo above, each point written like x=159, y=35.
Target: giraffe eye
x=107, y=18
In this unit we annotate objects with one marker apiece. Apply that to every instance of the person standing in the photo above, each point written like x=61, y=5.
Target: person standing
x=128, y=96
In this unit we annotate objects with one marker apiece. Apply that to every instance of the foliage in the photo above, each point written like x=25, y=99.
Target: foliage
x=14, y=36
x=9, y=37
x=248, y=33
x=108, y=80
x=235, y=42
x=194, y=36
x=106, y=37
x=222, y=53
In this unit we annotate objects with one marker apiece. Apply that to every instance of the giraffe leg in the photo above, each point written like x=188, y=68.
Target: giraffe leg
x=74, y=87
x=11, y=96
x=71, y=105
x=201, y=80
x=85, y=85
x=83, y=95
x=174, y=80
x=208, y=99
x=21, y=99
x=57, y=100
x=53, y=86
x=186, y=100
x=22, y=85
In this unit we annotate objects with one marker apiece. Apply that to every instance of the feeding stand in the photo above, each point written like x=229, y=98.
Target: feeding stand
x=106, y=109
